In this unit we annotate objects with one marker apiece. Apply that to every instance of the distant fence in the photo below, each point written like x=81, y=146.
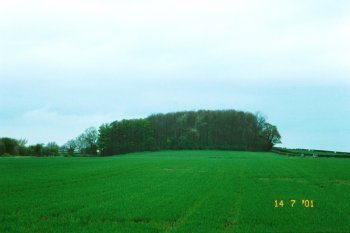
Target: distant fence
x=310, y=153
x=76, y=153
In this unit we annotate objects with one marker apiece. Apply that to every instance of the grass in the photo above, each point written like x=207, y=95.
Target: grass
x=174, y=191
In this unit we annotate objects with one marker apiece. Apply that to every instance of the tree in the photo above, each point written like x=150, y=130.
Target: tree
x=104, y=141
x=228, y=130
x=126, y=136
x=80, y=143
x=9, y=146
x=86, y=142
x=271, y=135
x=2, y=147
x=70, y=146
x=224, y=130
x=90, y=137
x=52, y=149
x=36, y=150
x=22, y=149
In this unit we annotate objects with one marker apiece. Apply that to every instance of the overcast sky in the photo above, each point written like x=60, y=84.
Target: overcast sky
x=70, y=64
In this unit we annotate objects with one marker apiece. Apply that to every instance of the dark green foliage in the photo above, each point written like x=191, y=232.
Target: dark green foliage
x=104, y=141
x=22, y=149
x=36, y=150
x=84, y=144
x=126, y=136
x=2, y=147
x=224, y=130
x=51, y=149
x=70, y=146
x=87, y=141
x=12, y=146
x=9, y=146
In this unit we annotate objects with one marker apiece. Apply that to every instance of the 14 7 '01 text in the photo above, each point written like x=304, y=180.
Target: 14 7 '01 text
x=293, y=203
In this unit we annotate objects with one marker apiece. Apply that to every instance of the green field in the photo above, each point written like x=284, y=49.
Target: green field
x=174, y=191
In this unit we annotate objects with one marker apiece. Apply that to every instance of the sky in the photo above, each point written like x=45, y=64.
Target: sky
x=70, y=64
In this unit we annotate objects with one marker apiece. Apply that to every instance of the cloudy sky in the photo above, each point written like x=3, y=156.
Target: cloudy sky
x=70, y=64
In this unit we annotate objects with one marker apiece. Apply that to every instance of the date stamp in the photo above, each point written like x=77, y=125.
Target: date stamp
x=292, y=203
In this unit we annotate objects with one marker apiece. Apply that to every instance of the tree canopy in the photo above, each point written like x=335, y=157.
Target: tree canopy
x=223, y=130
x=186, y=130
x=11, y=146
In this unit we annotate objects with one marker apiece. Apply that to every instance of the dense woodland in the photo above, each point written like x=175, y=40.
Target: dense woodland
x=222, y=130
x=204, y=130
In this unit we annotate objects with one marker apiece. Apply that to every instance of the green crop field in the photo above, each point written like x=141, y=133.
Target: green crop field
x=175, y=191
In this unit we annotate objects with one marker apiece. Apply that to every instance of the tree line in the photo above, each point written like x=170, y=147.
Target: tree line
x=204, y=129
x=209, y=130
x=11, y=146
x=84, y=144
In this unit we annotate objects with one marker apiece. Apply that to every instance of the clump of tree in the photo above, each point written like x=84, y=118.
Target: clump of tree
x=11, y=146
x=126, y=136
x=84, y=144
x=210, y=130
x=223, y=130
x=70, y=147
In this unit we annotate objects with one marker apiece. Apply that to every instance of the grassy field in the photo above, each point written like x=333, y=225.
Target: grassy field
x=177, y=191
